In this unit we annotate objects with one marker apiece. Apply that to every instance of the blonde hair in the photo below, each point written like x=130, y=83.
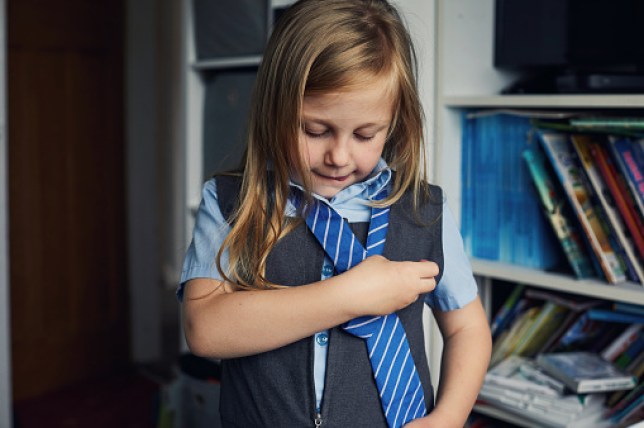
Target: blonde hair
x=318, y=46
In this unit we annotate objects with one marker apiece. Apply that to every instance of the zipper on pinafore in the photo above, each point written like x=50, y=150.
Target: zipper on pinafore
x=318, y=419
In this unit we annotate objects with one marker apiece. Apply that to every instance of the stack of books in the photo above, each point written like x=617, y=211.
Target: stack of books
x=521, y=387
x=541, y=336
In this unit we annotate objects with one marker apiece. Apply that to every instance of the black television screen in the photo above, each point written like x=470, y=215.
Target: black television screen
x=570, y=35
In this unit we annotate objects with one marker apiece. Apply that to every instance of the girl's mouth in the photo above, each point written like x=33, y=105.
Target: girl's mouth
x=333, y=178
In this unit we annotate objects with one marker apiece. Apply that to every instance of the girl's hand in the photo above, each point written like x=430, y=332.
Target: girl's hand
x=378, y=286
x=433, y=420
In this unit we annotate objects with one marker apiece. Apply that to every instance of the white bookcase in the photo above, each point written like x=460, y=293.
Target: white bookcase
x=456, y=73
x=466, y=79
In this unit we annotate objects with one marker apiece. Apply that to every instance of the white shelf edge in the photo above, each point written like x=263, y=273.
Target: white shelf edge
x=547, y=101
x=228, y=62
x=626, y=292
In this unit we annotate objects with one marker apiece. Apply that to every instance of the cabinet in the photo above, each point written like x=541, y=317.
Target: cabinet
x=467, y=79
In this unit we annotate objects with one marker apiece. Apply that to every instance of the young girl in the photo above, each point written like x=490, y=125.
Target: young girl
x=331, y=229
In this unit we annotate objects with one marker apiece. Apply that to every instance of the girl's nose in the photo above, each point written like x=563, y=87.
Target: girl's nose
x=338, y=152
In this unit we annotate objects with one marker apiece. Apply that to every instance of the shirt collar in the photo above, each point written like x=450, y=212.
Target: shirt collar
x=366, y=189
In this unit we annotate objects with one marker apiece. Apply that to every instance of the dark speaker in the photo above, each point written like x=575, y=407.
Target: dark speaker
x=230, y=28
x=226, y=107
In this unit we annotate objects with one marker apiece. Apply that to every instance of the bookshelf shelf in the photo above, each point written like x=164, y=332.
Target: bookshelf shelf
x=627, y=292
x=226, y=63
x=546, y=101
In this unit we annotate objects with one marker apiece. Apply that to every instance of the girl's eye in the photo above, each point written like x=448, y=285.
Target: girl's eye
x=361, y=137
x=315, y=134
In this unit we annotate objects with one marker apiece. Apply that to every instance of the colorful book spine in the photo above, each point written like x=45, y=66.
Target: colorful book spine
x=620, y=193
x=506, y=343
x=632, y=400
x=610, y=123
x=504, y=314
x=616, y=229
x=629, y=157
x=549, y=317
x=622, y=342
x=554, y=207
x=566, y=164
x=631, y=353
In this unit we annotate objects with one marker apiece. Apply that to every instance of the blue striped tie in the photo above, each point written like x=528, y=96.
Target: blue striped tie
x=401, y=393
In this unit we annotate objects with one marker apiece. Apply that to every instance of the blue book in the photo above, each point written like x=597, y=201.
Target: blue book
x=629, y=307
x=504, y=314
x=615, y=316
x=502, y=221
x=467, y=182
x=629, y=158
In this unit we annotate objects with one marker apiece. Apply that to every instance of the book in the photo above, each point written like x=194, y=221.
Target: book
x=575, y=304
x=504, y=314
x=508, y=374
x=636, y=368
x=570, y=301
x=511, y=385
x=631, y=353
x=501, y=220
x=621, y=195
x=621, y=342
x=566, y=164
x=618, y=232
x=557, y=210
x=628, y=307
x=504, y=346
x=532, y=372
x=629, y=158
x=592, y=416
x=609, y=123
x=615, y=316
x=633, y=414
x=545, y=323
x=629, y=401
x=581, y=334
x=585, y=372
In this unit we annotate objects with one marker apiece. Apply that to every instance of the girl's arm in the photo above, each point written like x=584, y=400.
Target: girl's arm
x=222, y=323
x=466, y=355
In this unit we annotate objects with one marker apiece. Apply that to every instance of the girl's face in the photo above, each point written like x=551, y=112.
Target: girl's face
x=343, y=135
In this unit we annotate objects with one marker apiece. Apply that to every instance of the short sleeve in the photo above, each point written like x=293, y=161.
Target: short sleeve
x=457, y=286
x=208, y=235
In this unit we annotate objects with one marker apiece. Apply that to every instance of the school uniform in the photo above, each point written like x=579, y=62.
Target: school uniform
x=327, y=377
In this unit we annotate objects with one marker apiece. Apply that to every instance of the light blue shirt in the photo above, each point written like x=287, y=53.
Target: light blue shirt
x=456, y=288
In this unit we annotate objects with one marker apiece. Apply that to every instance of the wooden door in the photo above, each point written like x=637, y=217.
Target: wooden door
x=69, y=318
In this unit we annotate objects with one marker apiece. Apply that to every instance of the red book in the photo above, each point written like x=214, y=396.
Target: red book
x=620, y=194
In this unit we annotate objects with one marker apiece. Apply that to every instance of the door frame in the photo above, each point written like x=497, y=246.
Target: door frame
x=6, y=416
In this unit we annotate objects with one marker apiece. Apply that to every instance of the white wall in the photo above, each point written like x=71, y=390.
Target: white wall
x=5, y=330
x=420, y=16
x=155, y=165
